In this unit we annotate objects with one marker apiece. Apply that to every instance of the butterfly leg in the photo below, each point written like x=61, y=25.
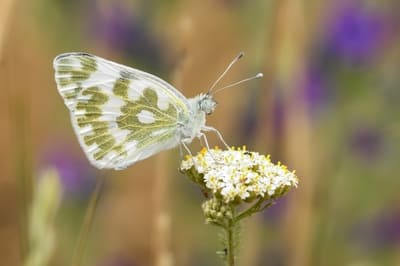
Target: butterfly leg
x=181, y=151
x=188, y=151
x=186, y=148
x=202, y=135
x=206, y=128
x=202, y=144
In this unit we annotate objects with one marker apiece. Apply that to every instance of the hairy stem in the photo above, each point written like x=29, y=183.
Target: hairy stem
x=231, y=252
x=231, y=241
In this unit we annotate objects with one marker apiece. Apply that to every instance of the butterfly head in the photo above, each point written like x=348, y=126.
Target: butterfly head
x=206, y=103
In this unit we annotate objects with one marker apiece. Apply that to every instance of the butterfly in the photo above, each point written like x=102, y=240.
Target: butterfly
x=122, y=115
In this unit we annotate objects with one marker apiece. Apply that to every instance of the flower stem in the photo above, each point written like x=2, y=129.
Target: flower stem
x=250, y=210
x=231, y=241
x=257, y=207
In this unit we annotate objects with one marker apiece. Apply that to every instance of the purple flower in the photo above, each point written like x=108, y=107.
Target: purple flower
x=355, y=33
x=77, y=176
x=388, y=228
x=381, y=231
x=315, y=89
x=366, y=142
x=116, y=27
x=278, y=118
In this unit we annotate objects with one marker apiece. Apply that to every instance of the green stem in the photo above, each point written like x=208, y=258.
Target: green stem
x=230, y=248
x=231, y=241
x=250, y=210
x=87, y=223
x=256, y=207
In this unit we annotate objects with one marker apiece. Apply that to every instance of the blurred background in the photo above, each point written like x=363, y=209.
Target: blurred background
x=328, y=106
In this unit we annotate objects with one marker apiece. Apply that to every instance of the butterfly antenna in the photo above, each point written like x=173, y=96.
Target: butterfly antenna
x=259, y=75
x=240, y=55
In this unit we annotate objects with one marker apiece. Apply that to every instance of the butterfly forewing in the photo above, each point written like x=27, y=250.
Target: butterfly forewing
x=121, y=115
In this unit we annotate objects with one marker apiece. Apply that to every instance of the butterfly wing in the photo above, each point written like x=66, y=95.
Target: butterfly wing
x=121, y=115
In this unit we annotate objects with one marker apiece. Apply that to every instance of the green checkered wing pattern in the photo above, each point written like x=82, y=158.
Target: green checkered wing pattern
x=121, y=115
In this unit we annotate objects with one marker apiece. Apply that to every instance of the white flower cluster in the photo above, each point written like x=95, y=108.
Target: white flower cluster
x=238, y=174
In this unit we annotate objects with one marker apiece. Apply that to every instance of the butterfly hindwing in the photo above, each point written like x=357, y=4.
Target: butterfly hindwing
x=121, y=115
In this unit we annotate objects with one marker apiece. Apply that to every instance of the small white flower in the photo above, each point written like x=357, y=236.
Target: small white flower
x=237, y=174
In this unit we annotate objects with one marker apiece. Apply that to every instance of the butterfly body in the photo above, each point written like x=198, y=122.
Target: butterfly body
x=122, y=115
x=193, y=125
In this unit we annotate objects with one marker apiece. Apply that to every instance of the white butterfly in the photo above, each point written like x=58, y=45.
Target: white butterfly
x=122, y=115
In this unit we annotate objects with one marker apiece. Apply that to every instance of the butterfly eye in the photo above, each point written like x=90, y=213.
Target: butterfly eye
x=211, y=105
